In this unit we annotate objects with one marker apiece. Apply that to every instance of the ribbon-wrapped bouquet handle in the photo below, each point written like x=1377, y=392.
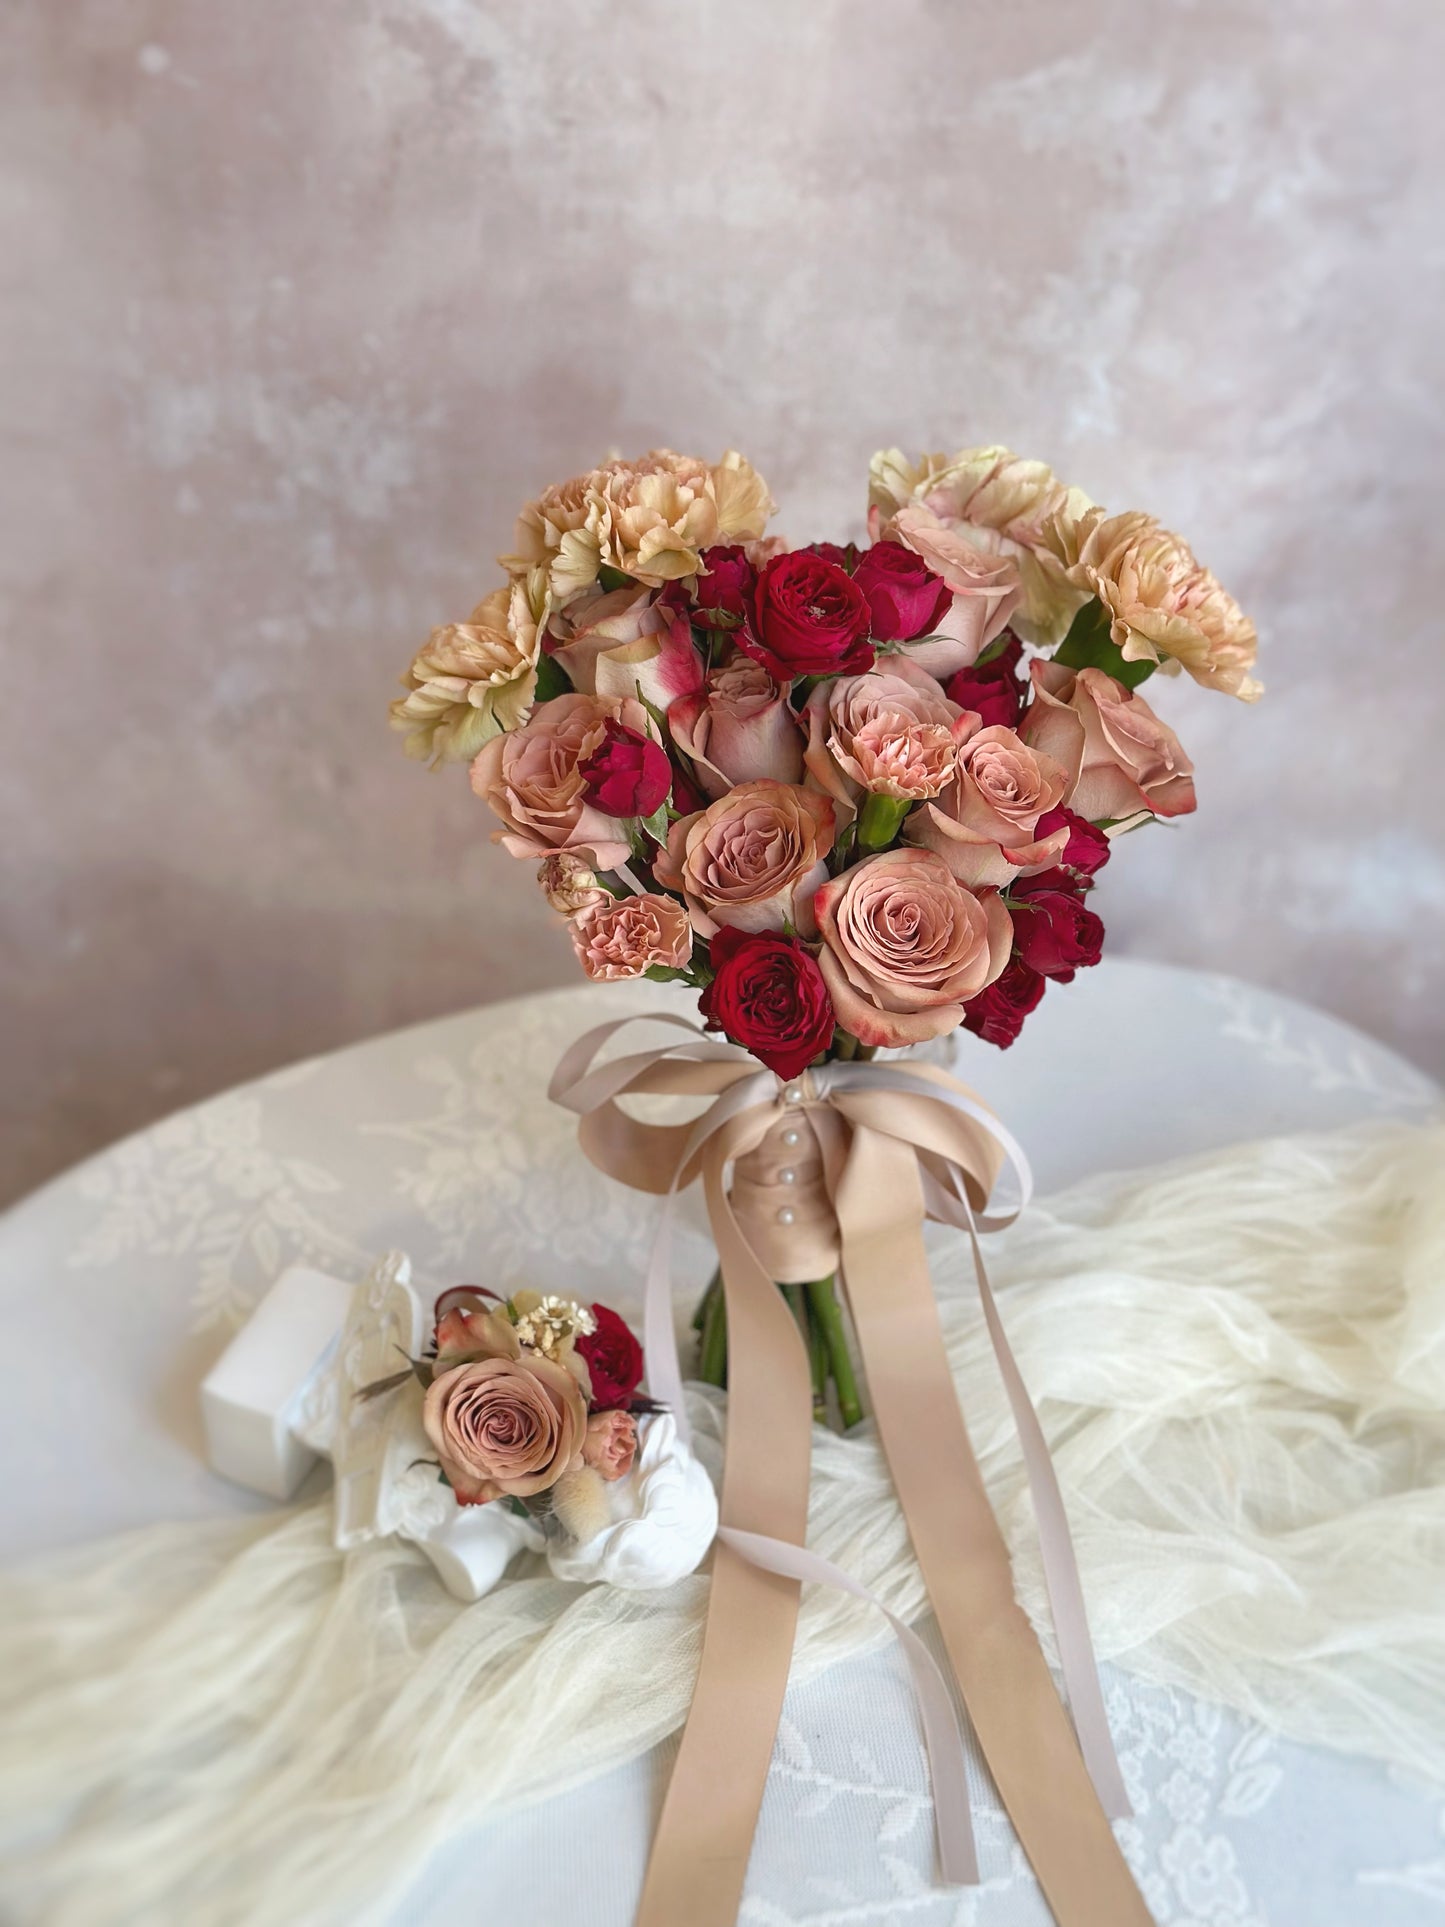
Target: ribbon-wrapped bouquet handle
x=895, y=1144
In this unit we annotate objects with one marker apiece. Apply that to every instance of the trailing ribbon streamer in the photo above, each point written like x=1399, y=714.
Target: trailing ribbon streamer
x=896, y=1143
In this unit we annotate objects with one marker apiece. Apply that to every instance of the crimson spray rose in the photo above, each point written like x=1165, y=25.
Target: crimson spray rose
x=768, y=994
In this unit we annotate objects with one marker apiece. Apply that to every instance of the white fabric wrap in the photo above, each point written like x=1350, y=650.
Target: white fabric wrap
x=1240, y=1364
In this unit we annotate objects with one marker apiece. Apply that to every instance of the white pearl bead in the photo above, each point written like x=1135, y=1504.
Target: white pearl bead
x=790, y=1138
x=787, y=1215
x=792, y=1093
x=788, y=1176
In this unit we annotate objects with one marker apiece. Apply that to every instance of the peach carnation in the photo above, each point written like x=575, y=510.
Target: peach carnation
x=628, y=936
x=891, y=731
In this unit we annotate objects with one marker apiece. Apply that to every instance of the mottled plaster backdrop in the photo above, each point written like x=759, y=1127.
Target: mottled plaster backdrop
x=301, y=302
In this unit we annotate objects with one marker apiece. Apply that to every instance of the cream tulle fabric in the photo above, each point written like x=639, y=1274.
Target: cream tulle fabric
x=1240, y=1363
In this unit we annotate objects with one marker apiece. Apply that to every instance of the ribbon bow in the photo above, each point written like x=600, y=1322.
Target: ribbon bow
x=897, y=1143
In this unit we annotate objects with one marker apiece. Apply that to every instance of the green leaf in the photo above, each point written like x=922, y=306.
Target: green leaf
x=611, y=578
x=656, y=824
x=1088, y=645
x=665, y=974
x=515, y=1505
x=552, y=679
x=995, y=649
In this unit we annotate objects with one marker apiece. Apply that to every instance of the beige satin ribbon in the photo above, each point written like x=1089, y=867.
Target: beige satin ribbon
x=896, y=1141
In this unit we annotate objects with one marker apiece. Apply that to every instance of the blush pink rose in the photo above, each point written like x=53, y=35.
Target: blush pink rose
x=609, y=1444
x=625, y=642
x=905, y=946
x=628, y=936
x=984, y=825
x=505, y=1427
x=985, y=588
x=891, y=731
x=751, y=860
x=738, y=728
x=532, y=779
x=1120, y=757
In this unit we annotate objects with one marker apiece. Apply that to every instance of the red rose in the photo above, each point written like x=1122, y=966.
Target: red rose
x=993, y=689
x=627, y=774
x=1054, y=931
x=724, y=587
x=1087, y=849
x=809, y=618
x=770, y=997
x=614, y=1361
x=997, y=1014
x=905, y=597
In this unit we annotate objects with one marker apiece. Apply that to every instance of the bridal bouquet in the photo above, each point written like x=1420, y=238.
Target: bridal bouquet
x=855, y=796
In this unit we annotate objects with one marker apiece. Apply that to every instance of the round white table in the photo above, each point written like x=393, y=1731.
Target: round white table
x=439, y=1140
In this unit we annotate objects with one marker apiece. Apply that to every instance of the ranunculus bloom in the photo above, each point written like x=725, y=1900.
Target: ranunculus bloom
x=1055, y=931
x=613, y=1357
x=809, y=619
x=1121, y=758
x=651, y=518
x=738, y=728
x=1000, y=504
x=891, y=731
x=984, y=825
x=905, y=597
x=569, y=884
x=1087, y=850
x=992, y=688
x=768, y=995
x=609, y=1444
x=532, y=779
x=753, y=859
x=997, y=1014
x=628, y=936
x=505, y=1427
x=474, y=679
x=1162, y=603
x=628, y=774
x=905, y=946
x=724, y=586
x=984, y=587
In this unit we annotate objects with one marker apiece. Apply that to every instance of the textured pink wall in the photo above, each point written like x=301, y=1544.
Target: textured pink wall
x=300, y=302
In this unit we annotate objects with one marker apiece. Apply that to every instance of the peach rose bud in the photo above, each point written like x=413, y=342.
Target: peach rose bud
x=610, y=1443
x=738, y=728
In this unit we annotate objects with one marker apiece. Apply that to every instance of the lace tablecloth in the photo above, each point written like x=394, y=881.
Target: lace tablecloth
x=439, y=1140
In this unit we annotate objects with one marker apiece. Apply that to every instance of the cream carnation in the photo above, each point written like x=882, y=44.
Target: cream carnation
x=650, y=518
x=1162, y=603
x=476, y=678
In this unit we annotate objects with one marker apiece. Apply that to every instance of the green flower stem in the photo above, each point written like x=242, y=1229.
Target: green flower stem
x=712, y=1365
x=823, y=1302
x=845, y=1046
x=699, y=1317
x=881, y=821
x=818, y=1359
